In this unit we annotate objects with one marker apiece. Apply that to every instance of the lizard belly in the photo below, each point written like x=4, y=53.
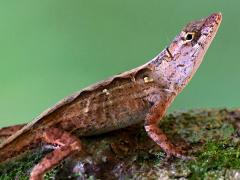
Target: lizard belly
x=125, y=114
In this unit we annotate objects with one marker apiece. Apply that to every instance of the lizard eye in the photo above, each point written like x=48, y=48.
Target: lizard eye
x=189, y=36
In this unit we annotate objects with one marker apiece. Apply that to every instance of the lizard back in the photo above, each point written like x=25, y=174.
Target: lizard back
x=115, y=103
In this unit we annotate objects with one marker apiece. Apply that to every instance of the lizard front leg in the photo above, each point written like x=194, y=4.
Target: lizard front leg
x=151, y=126
x=67, y=145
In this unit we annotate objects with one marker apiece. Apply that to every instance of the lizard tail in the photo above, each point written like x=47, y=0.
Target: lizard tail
x=8, y=131
x=17, y=144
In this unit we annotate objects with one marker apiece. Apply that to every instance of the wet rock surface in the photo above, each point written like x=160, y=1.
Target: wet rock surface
x=211, y=136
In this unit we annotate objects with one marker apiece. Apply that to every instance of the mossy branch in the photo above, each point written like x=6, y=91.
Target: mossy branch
x=212, y=136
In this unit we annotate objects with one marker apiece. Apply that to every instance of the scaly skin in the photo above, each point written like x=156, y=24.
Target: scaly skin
x=141, y=94
x=8, y=131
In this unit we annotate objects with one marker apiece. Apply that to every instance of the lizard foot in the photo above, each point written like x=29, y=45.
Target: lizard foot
x=179, y=153
x=157, y=135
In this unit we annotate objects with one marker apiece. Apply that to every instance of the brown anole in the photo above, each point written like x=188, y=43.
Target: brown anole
x=141, y=94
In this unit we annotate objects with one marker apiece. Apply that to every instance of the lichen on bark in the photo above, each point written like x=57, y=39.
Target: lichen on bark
x=211, y=136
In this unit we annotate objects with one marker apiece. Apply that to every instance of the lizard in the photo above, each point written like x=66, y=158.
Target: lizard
x=142, y=94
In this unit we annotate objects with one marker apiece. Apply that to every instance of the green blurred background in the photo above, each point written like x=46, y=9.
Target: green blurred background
x=52, y=48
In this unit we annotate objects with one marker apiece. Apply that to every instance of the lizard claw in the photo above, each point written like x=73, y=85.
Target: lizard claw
x=179, y=153
x=186, y=158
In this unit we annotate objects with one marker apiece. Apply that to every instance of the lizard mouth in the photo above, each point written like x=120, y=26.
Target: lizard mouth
x=211, y=25
x=208, y=30
x=214, y=18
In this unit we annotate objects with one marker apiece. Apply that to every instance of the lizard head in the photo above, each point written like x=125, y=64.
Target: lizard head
x=185, y=53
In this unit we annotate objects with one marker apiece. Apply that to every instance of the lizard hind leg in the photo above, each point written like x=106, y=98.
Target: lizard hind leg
x=67, y=143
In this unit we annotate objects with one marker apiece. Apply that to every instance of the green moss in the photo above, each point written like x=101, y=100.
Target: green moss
x=20, y=169
x=216, y=156
x=51, y=174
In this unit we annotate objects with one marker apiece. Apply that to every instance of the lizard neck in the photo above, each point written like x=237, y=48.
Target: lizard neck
x=163, y=73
